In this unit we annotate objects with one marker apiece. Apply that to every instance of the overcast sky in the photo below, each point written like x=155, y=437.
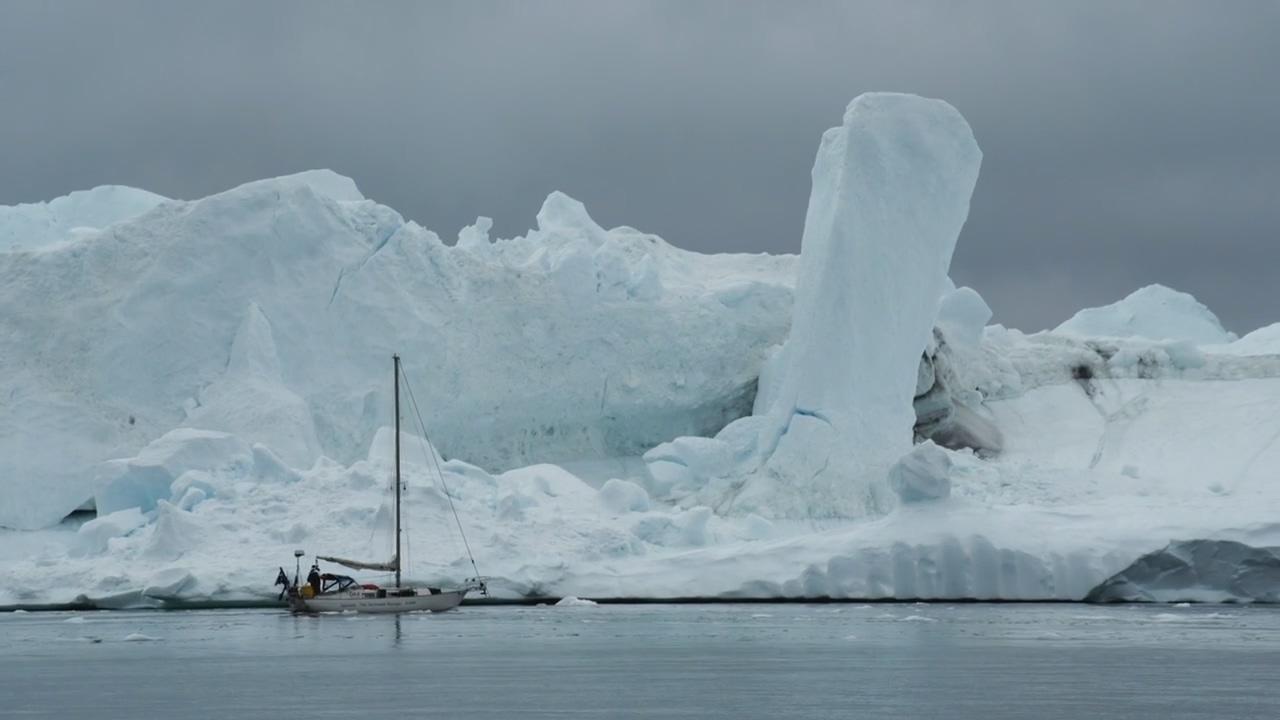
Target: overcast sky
x=1125, y=143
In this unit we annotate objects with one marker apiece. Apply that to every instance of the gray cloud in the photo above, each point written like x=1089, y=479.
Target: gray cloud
x=1125, y=143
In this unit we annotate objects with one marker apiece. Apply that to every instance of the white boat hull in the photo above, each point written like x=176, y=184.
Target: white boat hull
x=367, y=602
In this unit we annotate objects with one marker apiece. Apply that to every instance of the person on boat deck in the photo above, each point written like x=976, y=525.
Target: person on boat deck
x=313, y=578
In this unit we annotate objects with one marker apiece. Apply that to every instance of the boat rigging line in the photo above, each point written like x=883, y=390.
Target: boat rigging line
x=431, y=450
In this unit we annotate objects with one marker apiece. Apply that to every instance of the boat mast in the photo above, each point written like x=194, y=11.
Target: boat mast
x=396, y=359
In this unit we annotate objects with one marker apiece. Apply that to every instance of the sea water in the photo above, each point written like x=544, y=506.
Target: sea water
x=641, y=661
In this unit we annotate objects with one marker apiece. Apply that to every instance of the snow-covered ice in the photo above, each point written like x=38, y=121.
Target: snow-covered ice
x=614, y=417
x=1154, y=312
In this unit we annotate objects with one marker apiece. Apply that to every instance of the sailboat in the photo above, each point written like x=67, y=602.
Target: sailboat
x=329, y=592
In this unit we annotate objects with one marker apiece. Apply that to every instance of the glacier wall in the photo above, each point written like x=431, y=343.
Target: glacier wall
x=270, y=311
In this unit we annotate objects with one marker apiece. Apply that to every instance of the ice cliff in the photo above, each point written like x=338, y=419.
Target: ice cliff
x=269, y=311
x=615, y=417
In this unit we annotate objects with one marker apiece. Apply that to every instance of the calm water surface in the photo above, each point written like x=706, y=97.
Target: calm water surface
x=693, y=661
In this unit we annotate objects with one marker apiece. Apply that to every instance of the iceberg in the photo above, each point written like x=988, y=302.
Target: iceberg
x=891, y=190
x=616, y=417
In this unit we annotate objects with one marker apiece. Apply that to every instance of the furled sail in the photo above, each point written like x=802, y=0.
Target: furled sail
x=390, y=566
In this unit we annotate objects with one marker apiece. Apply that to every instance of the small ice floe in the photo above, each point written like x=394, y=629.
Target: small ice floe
x=1189, y=617
x=139, y=637
x=1182, y=605
x=918, y=618
x=75, y=619
x=761, y=615
x=571, y=601
x=850, y=637
x=19, y=611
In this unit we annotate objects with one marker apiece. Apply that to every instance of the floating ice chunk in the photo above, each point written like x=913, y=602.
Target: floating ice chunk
x=139, y=637
x=1154, y=312
x=575, y=602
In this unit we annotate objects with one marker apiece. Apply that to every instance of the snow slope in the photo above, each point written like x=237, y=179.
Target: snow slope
x=215, y=374
x=1263, y=341
x=1154, y=312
